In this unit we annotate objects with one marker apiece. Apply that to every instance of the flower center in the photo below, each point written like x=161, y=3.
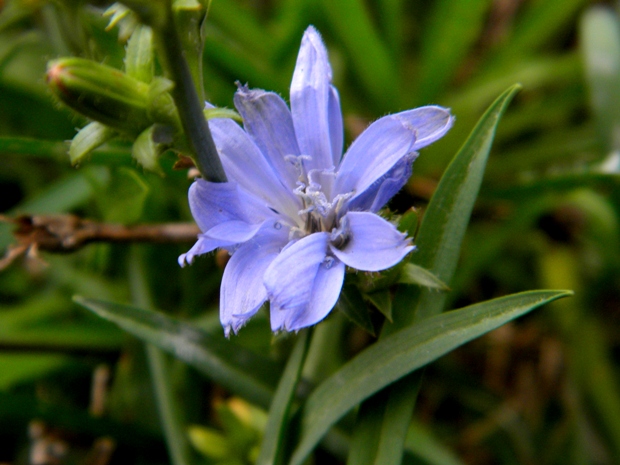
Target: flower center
x=320, y=212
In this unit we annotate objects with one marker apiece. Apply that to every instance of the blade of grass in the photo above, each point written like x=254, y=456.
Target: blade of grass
x=370, y=59
x=451, y=30
x=536, y=26
x=242, y=371
x=168, y=407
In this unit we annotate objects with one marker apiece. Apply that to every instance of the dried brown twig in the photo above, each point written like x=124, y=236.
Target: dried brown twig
x=68, y=233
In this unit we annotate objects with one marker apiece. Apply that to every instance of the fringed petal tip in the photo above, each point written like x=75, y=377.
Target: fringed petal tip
x=235, y=325
x=312, y=40
x=182, y=260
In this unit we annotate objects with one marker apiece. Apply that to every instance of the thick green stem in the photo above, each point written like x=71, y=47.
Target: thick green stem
x=187, y=102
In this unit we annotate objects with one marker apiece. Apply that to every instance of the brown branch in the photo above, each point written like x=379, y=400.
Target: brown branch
x=68, y=233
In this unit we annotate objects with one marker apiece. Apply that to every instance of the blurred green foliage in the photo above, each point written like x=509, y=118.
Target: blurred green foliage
x=543, y=390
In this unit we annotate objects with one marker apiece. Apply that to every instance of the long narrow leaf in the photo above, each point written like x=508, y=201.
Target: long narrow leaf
x=369, y=56
x=242, y=371
x=452, y=29
x=276, y=428
x=446, y=218
x=439, y=242
x=400, y=354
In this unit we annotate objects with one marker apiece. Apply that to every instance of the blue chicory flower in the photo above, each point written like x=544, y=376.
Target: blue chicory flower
x=294, y=212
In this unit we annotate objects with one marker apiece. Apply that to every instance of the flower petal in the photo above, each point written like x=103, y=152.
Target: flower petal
x=325, y=292
x=234, y=231
x=372, y=243
x=303, y=283
x=385, y=142
x=431, y=123
x=336, y=129
x=314, y=103
x=268, y=121
x=214, y=203
x=245, y=164
x=384, y=188
x=203, y=245
x=243, y=292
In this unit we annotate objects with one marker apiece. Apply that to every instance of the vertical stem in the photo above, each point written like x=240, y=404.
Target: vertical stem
x=187, y=102
x=167, y=405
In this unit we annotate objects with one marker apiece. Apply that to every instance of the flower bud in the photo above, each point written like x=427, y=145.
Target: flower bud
x=101, y=93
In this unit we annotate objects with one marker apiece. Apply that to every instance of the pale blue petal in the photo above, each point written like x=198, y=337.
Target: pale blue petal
x=311, y=92
x=268, y=121
x=371, y=243
x=290, y=281
x=431, y=123
x=243, y=292
x=385, y=142
x=325, y=292
x=203, y=245
x=245, y=164
x=214, y=203
x=384, y=188
x=336, y=129
x=234, y=231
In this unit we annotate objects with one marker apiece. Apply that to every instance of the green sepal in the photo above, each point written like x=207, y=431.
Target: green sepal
x=161, y=107
x=139, y=57
x=415, y=274
x=122, y=17
x=352, y=304
x=100, y=92
x=378, y=281
x=382, y=300
x=146, y=150
x=149, y=12
x=88, y=139
x=409, y=222
x=217, y=112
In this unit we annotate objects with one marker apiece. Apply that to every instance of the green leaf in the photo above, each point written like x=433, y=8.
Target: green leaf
x=421, y=443
x=600, y=46
x=401, y=353
x=540, y=22
x=369, y=56
x=453, y=26
x=447, y=215
x=242, y=371
x=414, y=274
x=352, y=304
x=439, y=242
x=278, y=422
x=381, y=422
x=88, y=139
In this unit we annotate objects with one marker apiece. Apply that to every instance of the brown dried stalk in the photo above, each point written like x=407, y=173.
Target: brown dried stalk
x=68, y=233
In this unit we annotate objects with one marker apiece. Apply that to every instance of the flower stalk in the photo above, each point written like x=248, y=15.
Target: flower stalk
x=187, y=101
